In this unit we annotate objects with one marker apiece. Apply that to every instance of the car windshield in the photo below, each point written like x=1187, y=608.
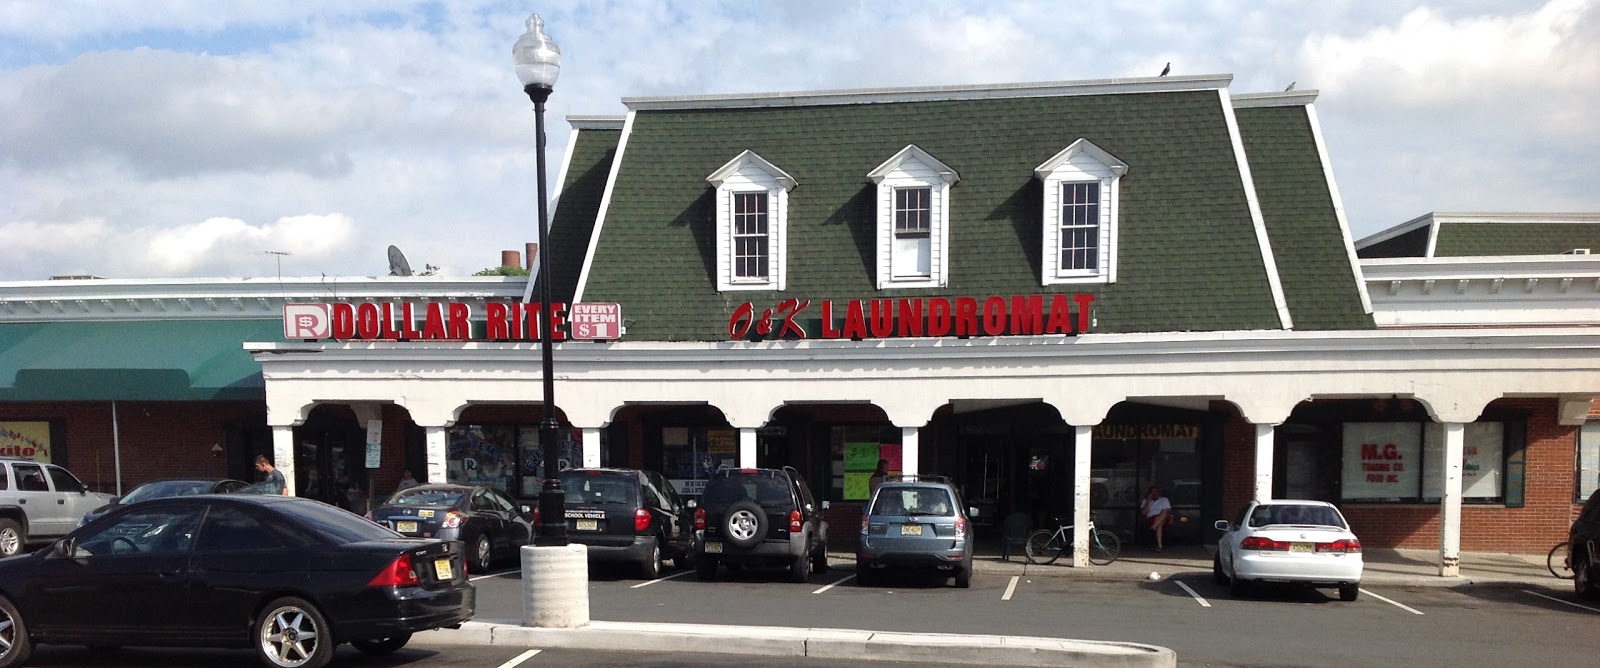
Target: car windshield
x=422, y=496
x=165, y=488
x=932, y=501
x=335, y=524
x=1295, y=514
x=766, y=490
x=586, y=488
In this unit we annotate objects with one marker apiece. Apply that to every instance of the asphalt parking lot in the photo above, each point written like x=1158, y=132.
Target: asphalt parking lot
x=1488, y=625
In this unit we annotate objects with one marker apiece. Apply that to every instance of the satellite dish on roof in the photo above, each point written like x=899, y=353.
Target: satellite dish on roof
x=397, y=263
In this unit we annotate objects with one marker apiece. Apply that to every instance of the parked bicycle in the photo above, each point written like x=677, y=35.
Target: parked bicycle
x=1559, y=561
x=1045, y=546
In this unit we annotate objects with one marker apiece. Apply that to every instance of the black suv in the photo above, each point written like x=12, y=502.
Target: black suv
x=629, y=516
x=1585, y=554
x=760, y=517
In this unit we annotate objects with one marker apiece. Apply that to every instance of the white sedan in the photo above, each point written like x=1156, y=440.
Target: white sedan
x=1294, y=541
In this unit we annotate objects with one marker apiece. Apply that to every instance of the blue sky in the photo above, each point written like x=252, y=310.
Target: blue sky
x=157, y=138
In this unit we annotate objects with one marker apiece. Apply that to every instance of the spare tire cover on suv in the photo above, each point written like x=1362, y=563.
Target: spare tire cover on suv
x=744, y=524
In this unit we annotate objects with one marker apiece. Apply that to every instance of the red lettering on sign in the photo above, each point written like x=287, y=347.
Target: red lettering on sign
x=882, y=318
x=910, y=317
x=494, y=325
x=1369, y=450
x=433, y=324
x=558, y=321
x=1060, y=321
x=460, y=325
x=828, y=330
x=1027, y=314
x=344, y=321
x=367, y=321
x=939, y=320
x=994, y=316
x=855, y=322
x=408, y=323
x=1390, y=452
x=739, y=322
x=1084, y=300
x=966, y=316
x=790, y=309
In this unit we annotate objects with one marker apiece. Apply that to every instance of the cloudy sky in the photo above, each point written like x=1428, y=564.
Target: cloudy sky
x=156, y=138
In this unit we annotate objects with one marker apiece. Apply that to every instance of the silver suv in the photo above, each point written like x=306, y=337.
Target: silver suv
x=40, y=501
x=915, y=523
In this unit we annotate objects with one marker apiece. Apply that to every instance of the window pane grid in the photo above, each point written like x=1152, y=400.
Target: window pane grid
x=912, y=212
x=1080, y=227
x=750, y=250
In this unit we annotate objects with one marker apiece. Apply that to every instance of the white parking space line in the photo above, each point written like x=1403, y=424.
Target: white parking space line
x=520, y=658
x=651, y=582
x=1196, y=596
x=1010, y=588
x=1402, y=606
x=506, y=574
x=1575, y=605
x=834, y=583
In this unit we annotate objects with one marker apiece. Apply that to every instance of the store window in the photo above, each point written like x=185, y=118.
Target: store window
x=508, y=457
x=690, y=455
x=1403, y=462
x=1588, y=460
x=855, y=451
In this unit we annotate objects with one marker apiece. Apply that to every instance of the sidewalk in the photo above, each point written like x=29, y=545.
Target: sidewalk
x=1383, y=567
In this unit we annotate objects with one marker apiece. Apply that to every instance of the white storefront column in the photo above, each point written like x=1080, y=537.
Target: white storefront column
x=591, y=447
x=283, y=454
x=910, y=449
x=1450, y=503
x=1265, y=439
x=747, y=447
x=1082, y=438
x=435, y=452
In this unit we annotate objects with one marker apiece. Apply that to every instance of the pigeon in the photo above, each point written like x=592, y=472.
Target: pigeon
x=1291, y=87
x=1166, y=69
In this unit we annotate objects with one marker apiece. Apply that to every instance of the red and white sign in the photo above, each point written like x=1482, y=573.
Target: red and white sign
x=597, y=321
x=306, y=321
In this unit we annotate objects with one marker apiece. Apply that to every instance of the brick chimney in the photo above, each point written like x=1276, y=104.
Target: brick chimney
x=508, y=258
x=533, y=253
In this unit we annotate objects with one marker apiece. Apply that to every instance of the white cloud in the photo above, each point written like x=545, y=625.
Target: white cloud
x=225, y=242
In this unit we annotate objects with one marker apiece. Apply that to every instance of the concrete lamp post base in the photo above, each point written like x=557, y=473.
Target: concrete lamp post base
x=555, y=586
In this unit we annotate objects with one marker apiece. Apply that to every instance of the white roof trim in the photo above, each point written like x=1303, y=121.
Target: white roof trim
x=605, y=207
x=1338, y=207
x=1516, y=218
x=749, y=157
x=594, y=122
x=933, y=93
x=555, y=201
x=910, y=152
x=1268, y=260
x=1298, y=98
x=1086, y=147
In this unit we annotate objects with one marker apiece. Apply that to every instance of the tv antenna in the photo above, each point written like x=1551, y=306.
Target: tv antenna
x=280, y=255
x=397, y=262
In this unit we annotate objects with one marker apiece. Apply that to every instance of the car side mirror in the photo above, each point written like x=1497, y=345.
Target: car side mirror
x=825, y=505
x=526, y=509
x=972, y=511
x=114, y=501
x=692, y=504
x=1223, y=525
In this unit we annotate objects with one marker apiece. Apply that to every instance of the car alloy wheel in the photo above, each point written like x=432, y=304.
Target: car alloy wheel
x=10, y=537
x=291, y=634
x=15, y=645
x=484, y=553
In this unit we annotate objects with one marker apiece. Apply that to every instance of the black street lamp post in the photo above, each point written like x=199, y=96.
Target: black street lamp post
x=538, y=62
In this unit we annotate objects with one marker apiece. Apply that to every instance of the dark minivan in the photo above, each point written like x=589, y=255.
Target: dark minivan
x=1585, y=549
x=628, y=515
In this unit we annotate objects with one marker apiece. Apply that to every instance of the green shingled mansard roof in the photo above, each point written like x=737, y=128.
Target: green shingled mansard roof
x=1308, y=243
x=1523, y=238
x=1188, y=259
x=572, y=222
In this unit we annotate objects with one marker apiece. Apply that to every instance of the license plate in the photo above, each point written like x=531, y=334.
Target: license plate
x=441, y=569
x=588, y=525
x=1301, y=547
x=713, y=547
x=911, y=529
x=405, y=527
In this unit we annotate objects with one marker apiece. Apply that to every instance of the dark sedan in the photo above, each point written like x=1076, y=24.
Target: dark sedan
x=492, y=524
x=161, y=489
x=288, y=577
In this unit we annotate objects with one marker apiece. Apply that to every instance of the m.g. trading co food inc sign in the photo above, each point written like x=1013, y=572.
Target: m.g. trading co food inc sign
x=932, y=316
x=449, y=321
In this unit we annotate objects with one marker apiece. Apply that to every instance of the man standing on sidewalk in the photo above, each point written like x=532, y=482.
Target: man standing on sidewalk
x=274, y=477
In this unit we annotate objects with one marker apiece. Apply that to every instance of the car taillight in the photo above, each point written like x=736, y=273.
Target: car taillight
x=641, y=519
x=1265, y=544
x=1344, y=545
x=699, y=519
x=397, y=574
x=536, y=515
x=453, y=519
x=794, y=521
x=864, y=524
x=961, y=527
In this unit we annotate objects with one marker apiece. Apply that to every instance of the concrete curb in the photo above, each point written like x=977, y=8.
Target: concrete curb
x=818, y=643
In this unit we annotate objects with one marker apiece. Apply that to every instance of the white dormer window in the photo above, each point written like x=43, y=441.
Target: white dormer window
x=1080, y=214
x=752, y=223
x=913, y=214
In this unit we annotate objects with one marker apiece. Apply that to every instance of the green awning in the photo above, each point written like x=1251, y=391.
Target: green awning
x=150, y=360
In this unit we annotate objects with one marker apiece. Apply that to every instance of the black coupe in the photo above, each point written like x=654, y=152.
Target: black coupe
x=491, y=523
x=288, y=577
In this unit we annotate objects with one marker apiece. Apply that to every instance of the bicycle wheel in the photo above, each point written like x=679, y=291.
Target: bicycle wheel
x=1042, y=548
x=1559, y=561
x=1104, y=547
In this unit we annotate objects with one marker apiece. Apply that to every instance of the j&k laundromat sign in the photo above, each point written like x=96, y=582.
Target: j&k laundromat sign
x=449, y=321
x=931, y=316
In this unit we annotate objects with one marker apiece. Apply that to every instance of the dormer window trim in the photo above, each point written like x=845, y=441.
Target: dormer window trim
x=752, y=223
x=913, y=214
x=1082, y=183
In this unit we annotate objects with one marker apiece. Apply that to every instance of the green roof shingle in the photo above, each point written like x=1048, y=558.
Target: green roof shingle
x=1530, y=238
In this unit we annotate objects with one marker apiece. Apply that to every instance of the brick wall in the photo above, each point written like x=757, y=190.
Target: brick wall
x=1238, y=459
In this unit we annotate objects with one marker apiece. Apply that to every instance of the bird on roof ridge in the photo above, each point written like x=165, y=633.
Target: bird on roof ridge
x=1291, y=87
x=1166, y=69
